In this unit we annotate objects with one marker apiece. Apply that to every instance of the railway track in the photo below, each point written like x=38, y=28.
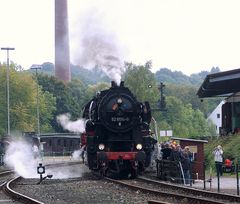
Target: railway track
x=5, y=176
x=7, y=194
x=8, y=183
x=176, y=193
x=16, y=195
x=193, y=191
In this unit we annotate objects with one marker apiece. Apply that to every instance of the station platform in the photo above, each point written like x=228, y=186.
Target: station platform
x=227, y=184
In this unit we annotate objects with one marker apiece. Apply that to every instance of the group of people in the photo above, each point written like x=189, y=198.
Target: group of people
x=173, y=152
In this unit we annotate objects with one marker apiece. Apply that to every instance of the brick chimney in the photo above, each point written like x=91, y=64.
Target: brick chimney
x=62, y=58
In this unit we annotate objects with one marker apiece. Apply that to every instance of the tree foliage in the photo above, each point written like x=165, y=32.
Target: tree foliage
x=183, y=119
x=69, y=98
x=22, y=101
x=138, y=78
x=187, y=94
x=183, y=113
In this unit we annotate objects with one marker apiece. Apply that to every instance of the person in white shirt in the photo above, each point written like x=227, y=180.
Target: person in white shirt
x=218, y=158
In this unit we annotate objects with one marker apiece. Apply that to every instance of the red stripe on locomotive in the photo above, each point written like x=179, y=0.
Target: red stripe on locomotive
x=121, y=155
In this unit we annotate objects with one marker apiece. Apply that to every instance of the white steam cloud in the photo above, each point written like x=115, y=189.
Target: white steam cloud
x=20, y=156
x=72, y=126
x=79, y=153
x=98, y=47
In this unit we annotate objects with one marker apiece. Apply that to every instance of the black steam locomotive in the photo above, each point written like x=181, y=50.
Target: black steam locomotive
x=119, y=141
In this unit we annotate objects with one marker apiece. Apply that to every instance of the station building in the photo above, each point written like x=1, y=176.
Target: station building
x=55, y=144
x=224, y=84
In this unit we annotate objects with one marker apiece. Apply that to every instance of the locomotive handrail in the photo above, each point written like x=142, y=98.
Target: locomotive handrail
x=155, y=128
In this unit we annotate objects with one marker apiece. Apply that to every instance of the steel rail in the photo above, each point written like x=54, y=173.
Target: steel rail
x=7, y=186
x=165, y=194
x=205, y=193
x=18, y=196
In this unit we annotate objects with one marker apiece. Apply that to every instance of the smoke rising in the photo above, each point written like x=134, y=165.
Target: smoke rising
x=77, y=154
x=72, y=126
x=19, y=156
x=96, y=46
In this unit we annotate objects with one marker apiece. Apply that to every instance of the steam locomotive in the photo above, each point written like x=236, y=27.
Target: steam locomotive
x=118, y=136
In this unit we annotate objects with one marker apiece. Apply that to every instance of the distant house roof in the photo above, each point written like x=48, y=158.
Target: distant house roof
x=220, y=84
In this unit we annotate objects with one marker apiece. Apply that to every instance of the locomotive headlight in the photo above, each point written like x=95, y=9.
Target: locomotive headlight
x=119, y=101
x=139, y=146
x=101, y=146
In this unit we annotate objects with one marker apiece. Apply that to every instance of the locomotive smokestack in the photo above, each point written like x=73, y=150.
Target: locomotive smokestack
x=62, y=59
x=113, y=84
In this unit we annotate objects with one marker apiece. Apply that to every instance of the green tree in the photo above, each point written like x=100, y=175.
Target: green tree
x=69, y=98
x=22, y=98
x=59, y=90
x=183, y=119
x=187, y=94
x=93, y=89
x=138, y=78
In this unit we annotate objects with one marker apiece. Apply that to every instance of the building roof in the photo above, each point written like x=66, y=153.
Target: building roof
x=220, y=84
x=59, y=135
x=188, y=139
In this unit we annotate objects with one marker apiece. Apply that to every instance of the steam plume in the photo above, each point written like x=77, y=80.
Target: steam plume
x=99, y=48
x=19, y=156
x=73, y=126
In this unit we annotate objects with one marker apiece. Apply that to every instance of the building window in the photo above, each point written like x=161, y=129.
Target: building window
x=65, y=143
x=58, y=142
x=50, y=143
x=218, y=115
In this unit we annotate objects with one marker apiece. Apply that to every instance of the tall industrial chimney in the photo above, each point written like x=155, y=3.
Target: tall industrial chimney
x=62, y=59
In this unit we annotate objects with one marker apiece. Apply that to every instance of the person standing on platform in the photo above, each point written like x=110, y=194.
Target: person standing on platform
x=218, y=158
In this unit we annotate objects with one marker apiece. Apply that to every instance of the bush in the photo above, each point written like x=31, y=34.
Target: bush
x=231, y=149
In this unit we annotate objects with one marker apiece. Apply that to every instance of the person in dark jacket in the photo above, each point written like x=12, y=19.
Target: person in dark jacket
x=166, y=151
x=186, y=166
x=176, y=154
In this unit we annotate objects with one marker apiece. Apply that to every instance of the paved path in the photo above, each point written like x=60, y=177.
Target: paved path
x=226, y=184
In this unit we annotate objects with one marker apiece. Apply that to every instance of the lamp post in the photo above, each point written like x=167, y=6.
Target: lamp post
x=8, y=114
x=36, y=67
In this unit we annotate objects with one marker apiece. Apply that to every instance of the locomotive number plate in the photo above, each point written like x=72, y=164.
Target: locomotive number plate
x=120, y=119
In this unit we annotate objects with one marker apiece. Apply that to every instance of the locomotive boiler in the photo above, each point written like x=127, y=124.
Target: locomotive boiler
x=119, y=141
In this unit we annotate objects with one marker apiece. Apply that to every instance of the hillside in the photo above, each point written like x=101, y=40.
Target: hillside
x=85, y=75
x=165, y=75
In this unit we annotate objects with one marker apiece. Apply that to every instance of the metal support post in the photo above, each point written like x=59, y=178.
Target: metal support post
x=8, y=105
x=237, y=179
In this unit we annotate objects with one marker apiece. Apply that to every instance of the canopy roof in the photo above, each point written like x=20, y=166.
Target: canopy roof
x=220, y=84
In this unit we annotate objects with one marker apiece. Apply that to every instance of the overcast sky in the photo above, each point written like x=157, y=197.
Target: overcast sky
x=182, y=35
